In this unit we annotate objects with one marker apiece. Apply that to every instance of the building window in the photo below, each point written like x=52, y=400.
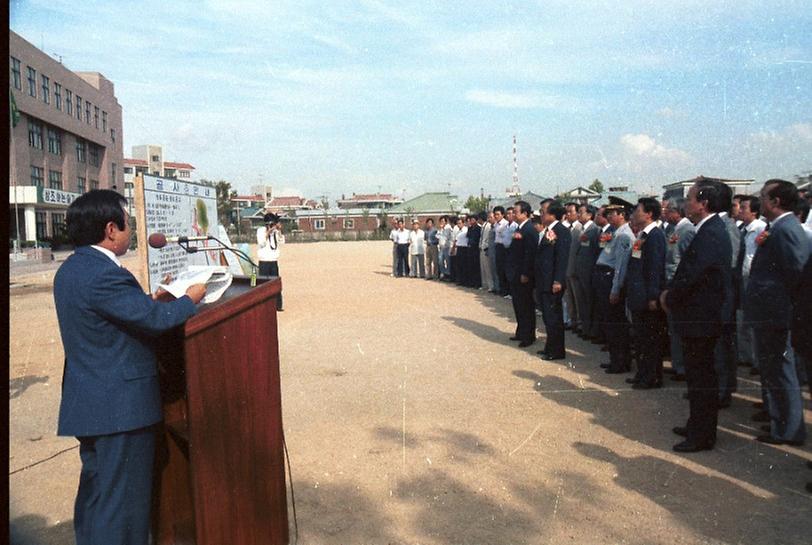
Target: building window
x=58, y=223
x=104, y=121
x=170, y=173
x=37, y=176
x=68, y=101
x=41, y=225
x=81, y=184
x=87, y=111
x=113, y=135
x=184, y=174
x=94, y=154
x=94, y=184
x=58, y=96
x=32, y=82
x=128, y=170
x=156, y=159
x=81, y=150
x=16, y=77
x=54, y=179
x=34, y=134
x=130, y=202
x=96, y=116
x=78, y=107
x=46, y=89
x=318, y=225
x=113, y=175
x=54, y=141
x=349, y=224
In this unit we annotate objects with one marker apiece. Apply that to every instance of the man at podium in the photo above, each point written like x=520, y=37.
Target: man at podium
x=110, y=392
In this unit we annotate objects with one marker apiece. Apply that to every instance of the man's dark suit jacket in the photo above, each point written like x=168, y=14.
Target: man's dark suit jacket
x=474, y=234
x=522, y=252
x=645, y=276
x=550, y=264
x=108, y=324
x=775, y=275
x=701, y=282
x=588, y=255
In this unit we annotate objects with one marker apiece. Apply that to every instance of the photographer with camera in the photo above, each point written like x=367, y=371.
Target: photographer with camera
x=269, y=237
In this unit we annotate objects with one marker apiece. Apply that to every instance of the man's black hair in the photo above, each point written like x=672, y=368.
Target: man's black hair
x=499, y=209
x=483, y=216
x=571, y=203
x=430, y=220
x=88, y=216
x=541, y=204
x=591, y=210
x=523, y=206
x=557, y=210
x=755, y=203
x=802, y=210
x=717, y=195
x=650, y=206
x=785, y=192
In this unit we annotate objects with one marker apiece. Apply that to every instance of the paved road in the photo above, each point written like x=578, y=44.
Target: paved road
x=411, y=419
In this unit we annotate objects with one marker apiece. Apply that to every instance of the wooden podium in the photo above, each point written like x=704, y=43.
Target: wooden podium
x=220, y=474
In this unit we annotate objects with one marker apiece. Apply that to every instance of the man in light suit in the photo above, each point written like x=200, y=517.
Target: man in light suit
x=521, y=255
x=570, y=221
x=773, y=286
x=486, y=242
x=550, y=268
x=680, y=233
x=110, y=393
x=725, y=351
x=695, y=298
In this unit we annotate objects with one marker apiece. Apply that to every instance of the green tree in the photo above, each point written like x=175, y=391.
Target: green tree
x=596, y=186
x=476, y=204
x=224, y=203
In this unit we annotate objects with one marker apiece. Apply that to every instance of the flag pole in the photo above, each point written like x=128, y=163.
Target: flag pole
x=13, y=124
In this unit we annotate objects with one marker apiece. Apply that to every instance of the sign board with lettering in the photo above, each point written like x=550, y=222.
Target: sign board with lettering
x=56, y=196
x=175, y=208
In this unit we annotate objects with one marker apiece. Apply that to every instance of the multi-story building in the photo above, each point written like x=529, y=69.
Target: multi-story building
x=265, y=190
x=680, y=189
x=377, y=200
x=149, y=159
x=65, y=139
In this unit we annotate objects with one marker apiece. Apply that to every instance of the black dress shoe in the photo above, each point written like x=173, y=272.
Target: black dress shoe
x=515, y=338
x=605, y=365
x=524, y=344
x=770, y=440
x=669, y=371
x=761, y=416
x=691, y=446
x=678, y=378
x=550, y=357
x=617, y=371
x=680, y=430
x=633, y=380
x=541, y=352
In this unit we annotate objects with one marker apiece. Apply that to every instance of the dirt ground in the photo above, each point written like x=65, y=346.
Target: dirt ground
x=411, y=419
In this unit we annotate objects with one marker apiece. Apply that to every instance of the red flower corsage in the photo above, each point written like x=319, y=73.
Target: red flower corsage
x=638, y=244
x=517, y=236
x=762, y=237
x=584, y=238
x=673, y=240
x=550, y=236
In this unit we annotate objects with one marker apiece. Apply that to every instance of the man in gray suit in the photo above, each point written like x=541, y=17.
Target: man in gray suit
x=575, y=227
x=773, y=287
x=679, y=234
x=586, y=251
x=724, y=353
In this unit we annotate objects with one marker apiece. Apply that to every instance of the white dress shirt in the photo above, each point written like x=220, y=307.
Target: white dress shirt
x=751, y=232
x=108, y=253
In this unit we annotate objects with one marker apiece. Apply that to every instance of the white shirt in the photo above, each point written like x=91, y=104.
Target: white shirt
x=680, y=222
x=268, y=247
x=417, y=242
x=108, y=253
x=444, y=237
x=511, y=228
x=751, y=232
x=501, y=227
x=648, y=228
x=605, y=227
x=393, y=235
x=462, y=237
x=402, y=236
x=588, y=224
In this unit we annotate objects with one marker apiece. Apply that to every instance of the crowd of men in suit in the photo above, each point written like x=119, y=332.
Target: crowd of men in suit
x=716, y=280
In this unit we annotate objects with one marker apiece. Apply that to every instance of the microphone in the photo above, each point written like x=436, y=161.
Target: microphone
x=159, y=240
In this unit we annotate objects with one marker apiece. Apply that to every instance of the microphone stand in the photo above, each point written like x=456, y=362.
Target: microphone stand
x=239, y=253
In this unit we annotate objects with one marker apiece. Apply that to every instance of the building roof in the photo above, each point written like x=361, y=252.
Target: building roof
x=581, y=191
x=286, y=201
x=252, y=198
x=692, y=181
x=136, y=162
x=528, y=196
x=429, y=202
x=372, y=197
x=184, y=166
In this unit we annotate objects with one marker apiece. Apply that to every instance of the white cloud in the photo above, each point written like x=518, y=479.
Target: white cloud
x=644, y=146
x=500, y=99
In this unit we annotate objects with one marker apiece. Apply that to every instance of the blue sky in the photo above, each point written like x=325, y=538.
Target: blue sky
x=332, y=97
